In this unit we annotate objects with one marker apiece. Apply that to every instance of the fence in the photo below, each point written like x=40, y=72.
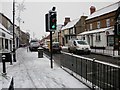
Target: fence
x=97, y=74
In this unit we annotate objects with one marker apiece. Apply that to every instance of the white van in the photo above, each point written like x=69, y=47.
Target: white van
x=78, y=46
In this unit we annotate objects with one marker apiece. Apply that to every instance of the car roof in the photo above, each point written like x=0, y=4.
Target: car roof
x=55, y=42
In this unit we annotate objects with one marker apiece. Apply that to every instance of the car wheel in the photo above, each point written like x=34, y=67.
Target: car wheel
x=69, y=50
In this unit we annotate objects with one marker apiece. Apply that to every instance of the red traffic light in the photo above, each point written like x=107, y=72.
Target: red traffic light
x=53, y=20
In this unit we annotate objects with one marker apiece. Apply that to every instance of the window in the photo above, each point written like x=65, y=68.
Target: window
x=98, y=37
x=90, y=26
x=107, y=22
x=0, y=44
x=98, y=24
x=72, y=31
x=110, y=41
x=6, y=43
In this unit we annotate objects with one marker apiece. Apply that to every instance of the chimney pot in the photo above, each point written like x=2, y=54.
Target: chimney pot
x=67, y=19
x=92, y=9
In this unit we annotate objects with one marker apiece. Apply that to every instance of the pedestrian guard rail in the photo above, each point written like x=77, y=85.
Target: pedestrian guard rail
x=96, y=74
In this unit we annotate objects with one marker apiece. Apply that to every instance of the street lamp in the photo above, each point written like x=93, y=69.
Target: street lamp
x=20, y=8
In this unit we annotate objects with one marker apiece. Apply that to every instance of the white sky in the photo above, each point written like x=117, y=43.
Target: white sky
x=34, y=14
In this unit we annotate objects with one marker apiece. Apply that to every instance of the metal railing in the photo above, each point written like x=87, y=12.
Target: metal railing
x=96, y=74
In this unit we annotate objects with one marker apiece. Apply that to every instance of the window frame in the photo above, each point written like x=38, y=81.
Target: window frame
x=98, y=24
x=98, y=37
x=107, y=22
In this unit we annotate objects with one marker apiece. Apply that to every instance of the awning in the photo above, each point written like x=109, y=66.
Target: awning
x=95, y=31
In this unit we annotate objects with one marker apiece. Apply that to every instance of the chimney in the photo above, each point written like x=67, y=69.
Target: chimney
x=67, y=19
x=92, y=9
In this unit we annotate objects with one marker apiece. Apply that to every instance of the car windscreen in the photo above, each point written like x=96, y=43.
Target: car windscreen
x=82, y=42
x=55, y=45
x=34, y=42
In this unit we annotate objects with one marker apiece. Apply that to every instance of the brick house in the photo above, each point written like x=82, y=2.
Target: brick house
x=73, y=28
x=100, y=27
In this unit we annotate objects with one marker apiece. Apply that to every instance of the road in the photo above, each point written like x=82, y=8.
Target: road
x=103, y=58
x=108, y=59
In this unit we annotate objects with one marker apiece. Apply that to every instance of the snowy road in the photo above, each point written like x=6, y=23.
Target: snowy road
x=32, y=72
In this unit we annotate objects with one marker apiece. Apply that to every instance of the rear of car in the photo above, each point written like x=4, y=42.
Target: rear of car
x=34, y=46
x=56, y=47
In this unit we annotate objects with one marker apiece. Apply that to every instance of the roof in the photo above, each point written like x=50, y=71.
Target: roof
x=6, y=17
x=5, y=31
x=2, y=27
x=105, y=10
x=70, y=24
x=95, y=31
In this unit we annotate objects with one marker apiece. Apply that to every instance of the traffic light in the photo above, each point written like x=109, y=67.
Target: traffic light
x=52, y=20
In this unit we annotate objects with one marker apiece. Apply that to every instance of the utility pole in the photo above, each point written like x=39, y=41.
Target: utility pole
x=14, y=54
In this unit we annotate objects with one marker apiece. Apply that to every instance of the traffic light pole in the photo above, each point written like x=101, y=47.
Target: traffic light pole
x=51, y=49
x=50, y=19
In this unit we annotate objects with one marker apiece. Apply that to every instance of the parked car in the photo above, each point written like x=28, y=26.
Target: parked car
x=56, y=47
x=34, y=45
x=78, y=46
x=45, y=47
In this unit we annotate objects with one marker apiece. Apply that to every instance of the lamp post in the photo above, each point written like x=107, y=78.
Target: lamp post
x=20, y=8
x=14, y=54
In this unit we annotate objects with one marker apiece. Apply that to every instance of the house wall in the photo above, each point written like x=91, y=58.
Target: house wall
x=103, y=24
x=6, y=41
x=80, y=26
x=102, y=20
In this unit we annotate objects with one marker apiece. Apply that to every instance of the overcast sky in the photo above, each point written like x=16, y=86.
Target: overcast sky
x=34, y=14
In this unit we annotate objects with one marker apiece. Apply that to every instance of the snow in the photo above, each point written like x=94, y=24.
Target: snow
x=32, y=72
x=64, y=47
x=104, y=10
x=70, y=24
x=95, y=31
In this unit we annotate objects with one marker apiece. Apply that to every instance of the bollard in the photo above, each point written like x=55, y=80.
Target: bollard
x=4, y=66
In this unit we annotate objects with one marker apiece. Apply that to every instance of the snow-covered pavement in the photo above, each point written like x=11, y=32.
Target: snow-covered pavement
x=32, y=72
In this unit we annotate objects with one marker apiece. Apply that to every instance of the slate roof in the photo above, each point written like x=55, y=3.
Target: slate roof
x=105, y=10
x=70, y=24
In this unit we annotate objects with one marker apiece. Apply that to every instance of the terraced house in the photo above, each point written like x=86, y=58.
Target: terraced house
x=72, y=29
x=99, y=32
